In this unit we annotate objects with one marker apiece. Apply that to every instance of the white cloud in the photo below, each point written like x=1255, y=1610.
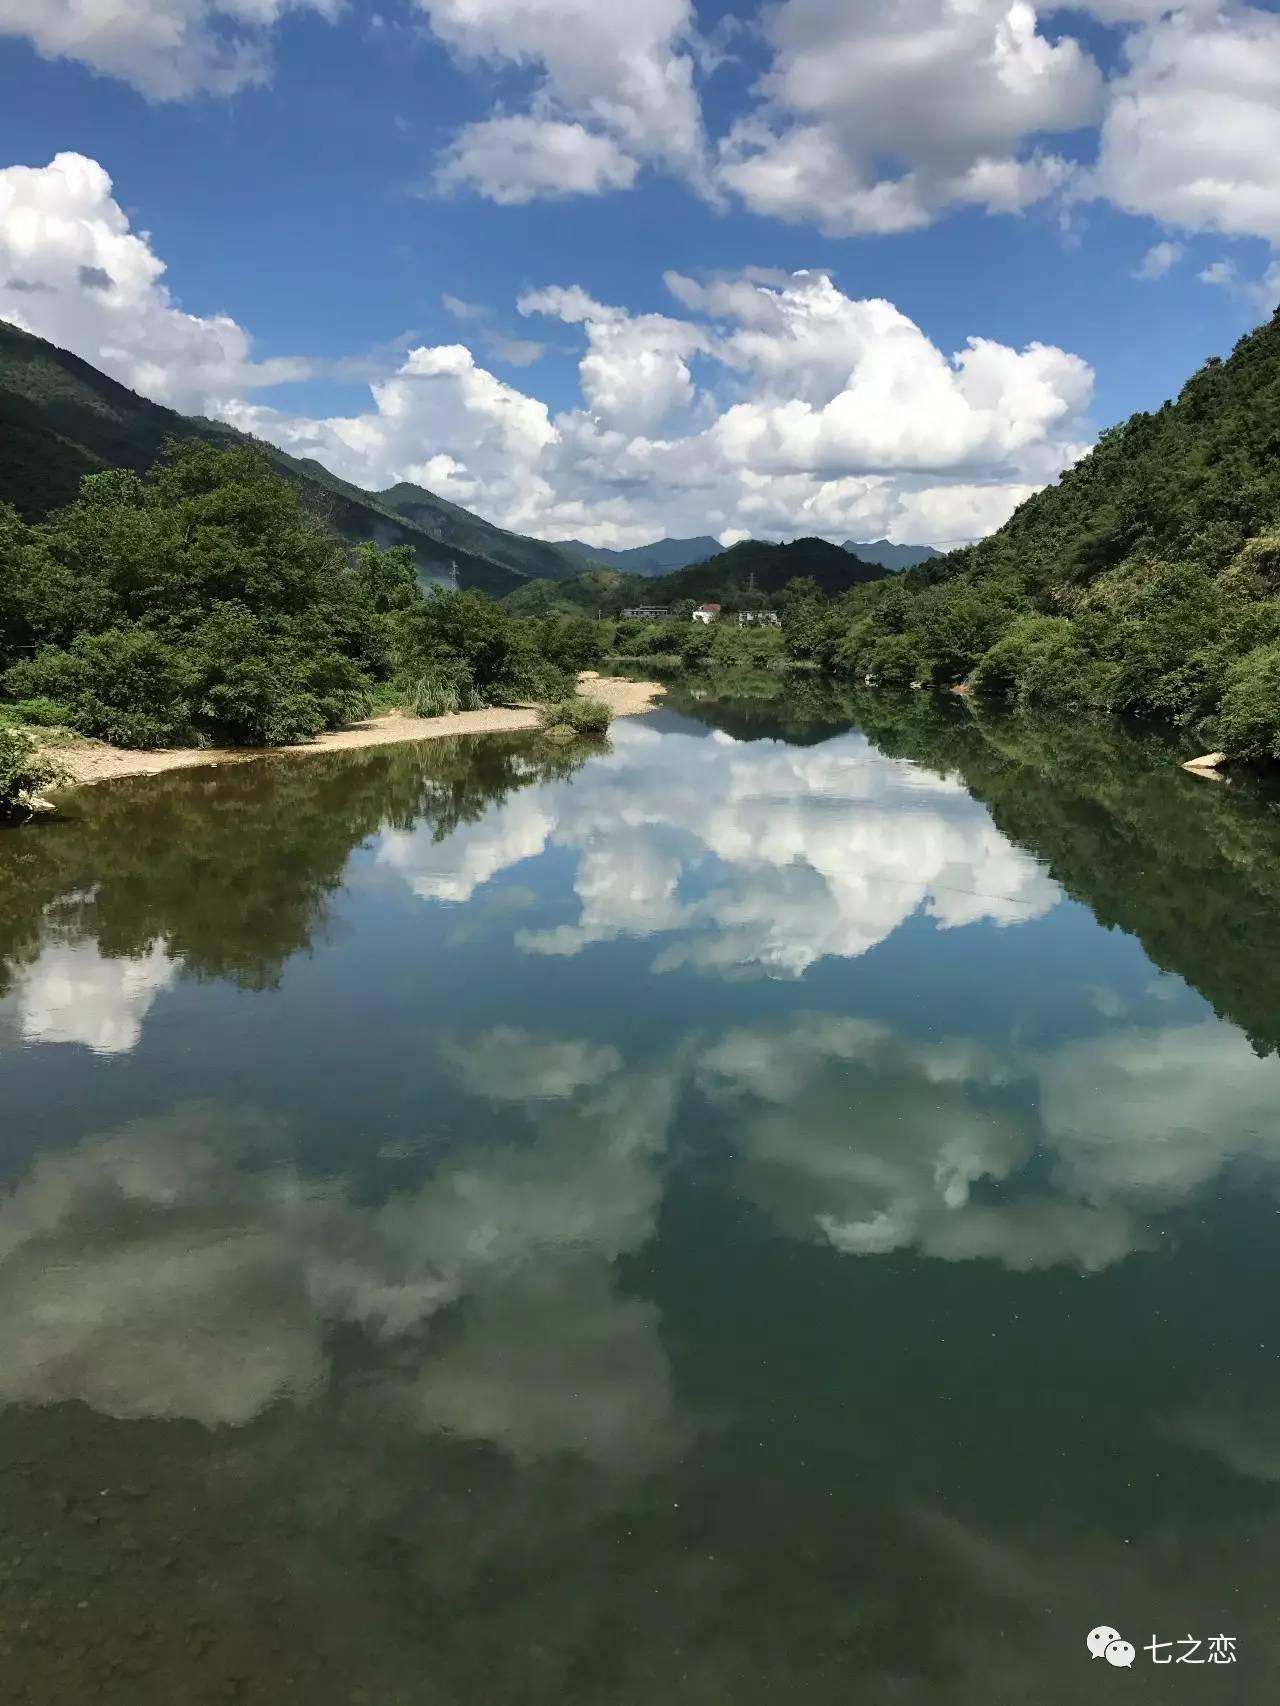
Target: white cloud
x=775, y=406
x=817, y=413
x=73, y=994
x=1195, y=1099
x=850, y=1133
x=1192, y=131
x=876, y=119
x=72, y=271
x=615, y=89
x=1159, y=259
x=1222, y=273
x=853, y=1136
x=635, y=372
x=167, y=49
x=519, y=159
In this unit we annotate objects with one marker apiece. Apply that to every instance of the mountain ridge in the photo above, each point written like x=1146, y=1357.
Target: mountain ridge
x=62, y=418
x=889, y=555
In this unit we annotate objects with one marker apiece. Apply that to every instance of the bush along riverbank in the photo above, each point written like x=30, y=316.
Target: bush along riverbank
x=201, y=604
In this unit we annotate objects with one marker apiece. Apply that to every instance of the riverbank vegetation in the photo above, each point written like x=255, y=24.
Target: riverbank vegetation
x=202, y=603
x=566, y=719
x=23, y=773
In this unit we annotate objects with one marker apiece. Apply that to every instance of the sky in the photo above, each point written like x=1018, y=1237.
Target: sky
x=619, y=269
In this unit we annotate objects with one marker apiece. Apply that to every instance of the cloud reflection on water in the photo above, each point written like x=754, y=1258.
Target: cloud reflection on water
x=760, y=855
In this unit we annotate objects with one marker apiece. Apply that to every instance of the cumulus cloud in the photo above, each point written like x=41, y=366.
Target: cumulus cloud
x=754, y=858
x=777, y=406
x=614, y=88
x=522, y=158
x=167, y=49
x=1192, y=129
x=877, y=119
x=73, y=271
x=1256, y=295
x=774, y=405
x=511, y=1065
x=850, y=1135
x=881, y=120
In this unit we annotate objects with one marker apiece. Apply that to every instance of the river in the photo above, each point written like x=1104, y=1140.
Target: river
x=779, y=1207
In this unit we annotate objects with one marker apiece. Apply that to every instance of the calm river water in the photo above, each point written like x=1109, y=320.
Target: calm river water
x=780, y=1208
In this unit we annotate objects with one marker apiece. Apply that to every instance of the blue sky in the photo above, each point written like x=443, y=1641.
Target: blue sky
x=295, y=190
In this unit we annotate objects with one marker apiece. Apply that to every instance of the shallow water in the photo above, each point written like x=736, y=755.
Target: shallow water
x=782, y=1208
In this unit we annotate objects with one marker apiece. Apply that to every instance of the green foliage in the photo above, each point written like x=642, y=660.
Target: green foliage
x=572, y=643
x=200, y=603
x=1249, y=720
x=23, y=772
x=439, y=690
x=462, y=646
x=234, y=868
x=696, y=644
x=581, y=716
x=389, y=579
x=38, y=713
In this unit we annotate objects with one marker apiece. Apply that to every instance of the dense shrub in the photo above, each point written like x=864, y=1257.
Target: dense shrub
x=201, y=603
x=580, y=716
x=23, y=772
x=1249, y=719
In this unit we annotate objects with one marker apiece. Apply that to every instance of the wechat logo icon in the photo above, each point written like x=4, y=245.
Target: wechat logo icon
x=1104, y=1642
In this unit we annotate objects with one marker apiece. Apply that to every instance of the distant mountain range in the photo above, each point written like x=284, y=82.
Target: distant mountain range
x=666, y=555
x=891, y=556
x=659, y=558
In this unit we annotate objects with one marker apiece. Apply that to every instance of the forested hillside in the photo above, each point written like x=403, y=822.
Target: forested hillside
x=1144, y=582
x=751, y=573
x=60, y=419
x=457, y=527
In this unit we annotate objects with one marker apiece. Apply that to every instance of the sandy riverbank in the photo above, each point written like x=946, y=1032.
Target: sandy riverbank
x=94, y=761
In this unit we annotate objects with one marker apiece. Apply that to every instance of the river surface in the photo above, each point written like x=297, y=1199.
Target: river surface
x=782, y=1207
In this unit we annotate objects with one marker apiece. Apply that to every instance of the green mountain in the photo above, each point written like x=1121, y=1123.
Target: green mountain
x=732, y=576
x=455, y=527
x=60, y=419
x=658, y=558
x=890, y=556
x=1145, y=582
x=743, y=574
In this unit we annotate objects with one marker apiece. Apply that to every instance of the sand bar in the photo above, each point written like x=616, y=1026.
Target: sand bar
x=95, y=761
